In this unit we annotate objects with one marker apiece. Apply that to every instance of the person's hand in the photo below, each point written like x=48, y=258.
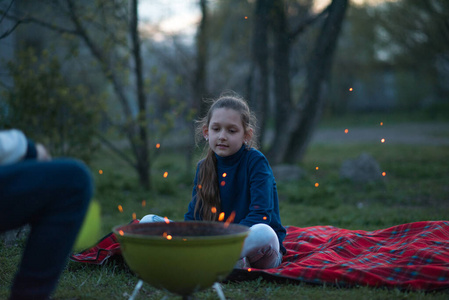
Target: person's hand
x=42, y=153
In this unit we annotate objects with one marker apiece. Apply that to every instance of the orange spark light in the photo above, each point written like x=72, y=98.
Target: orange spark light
x=381, y=123
x=158, y=146
x=134, y=216
x=166, y=220
x=317, y=184
x=317, y=168
x=351, y=89
x=165, y=174
x=120, y=208
x=221, y=216
x=224, y=174
x=382, y=140
x=230, y=219
x=100, y=172
x=169, y=237
x=121, y=232
x=144, y=203
x=246, y=17
x=200, y=186
x=213, y=210
x=346, y=130
x=222, y=183
x=265, y=217
x=249, y=269
x=384, y=174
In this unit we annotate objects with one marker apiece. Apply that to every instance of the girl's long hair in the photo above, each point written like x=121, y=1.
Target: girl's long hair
x=208, y=203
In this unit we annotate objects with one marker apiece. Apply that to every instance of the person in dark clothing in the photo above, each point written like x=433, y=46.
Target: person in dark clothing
x=52, y=196
x=235, y=180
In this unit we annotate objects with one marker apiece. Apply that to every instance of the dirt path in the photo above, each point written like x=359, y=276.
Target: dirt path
x=403, y=133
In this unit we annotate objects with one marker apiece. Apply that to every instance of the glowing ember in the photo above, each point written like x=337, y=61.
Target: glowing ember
x=144, y=203
x=222, y=183
x=169, y=237
x=249, y=269
x=158, y=146
x=213, y=210
x=246, y=18
x=224, y=174
x=166, y=220
x=381, y=123
x=230, y=219
x=382, y=140
x=317, y=168
x=351, y=89
x=317, y=184
x=200, y=186
x=384, y=174
x=134, y=216
x=346, y=130
x=120, y=208
x=265, y=217
x=165, y=174
x=221, y=216
x=121, y=232
x=100, y=172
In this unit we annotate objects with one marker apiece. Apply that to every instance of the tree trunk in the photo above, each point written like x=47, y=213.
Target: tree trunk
x=282, y=86
x=295, y=123
x=142, y=151
x=258, y=79
x=318, y=69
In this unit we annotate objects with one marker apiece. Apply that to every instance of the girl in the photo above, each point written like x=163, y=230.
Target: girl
x=236, y=179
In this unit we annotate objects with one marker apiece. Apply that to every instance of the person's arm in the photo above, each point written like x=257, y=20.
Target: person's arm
x=190, y=214
x=14, y=147
x=261, y=190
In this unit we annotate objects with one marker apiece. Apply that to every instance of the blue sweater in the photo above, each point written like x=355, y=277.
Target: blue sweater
x=248, y=188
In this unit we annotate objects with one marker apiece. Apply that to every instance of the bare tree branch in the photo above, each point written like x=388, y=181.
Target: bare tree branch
x=308, y=21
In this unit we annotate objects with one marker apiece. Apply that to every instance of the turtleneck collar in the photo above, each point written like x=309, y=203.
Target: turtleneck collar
x=231, y=159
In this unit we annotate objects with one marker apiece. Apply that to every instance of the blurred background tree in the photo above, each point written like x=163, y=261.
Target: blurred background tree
x=292, y=59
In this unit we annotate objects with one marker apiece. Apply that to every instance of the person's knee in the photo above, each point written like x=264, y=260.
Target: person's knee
x=261, y=235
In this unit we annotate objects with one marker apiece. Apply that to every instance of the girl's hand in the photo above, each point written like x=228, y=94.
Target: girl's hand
x=42, y=153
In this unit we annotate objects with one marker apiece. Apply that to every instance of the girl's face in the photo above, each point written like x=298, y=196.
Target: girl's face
x=225, y=132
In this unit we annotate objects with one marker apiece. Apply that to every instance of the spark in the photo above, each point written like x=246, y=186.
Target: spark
x=246, y=17
x=249, y=269
x=222, y=183
x=382, y=140
x=224, y=174
x=384, y=174
x=100, y=172
x=221, y=216
x=165, y=174
x=230, y=219
x=158, y=146
x=317, y=168
x=169, y=237
x=120, y=208
x=265, y=217
x=351, y=89
x=200, y=186
x=317, y=184
x=213, y=210
x=166, y=220
x=381, y=123
x=134, y=216
x=346, y=130
x=144, y=203
x=121, y=232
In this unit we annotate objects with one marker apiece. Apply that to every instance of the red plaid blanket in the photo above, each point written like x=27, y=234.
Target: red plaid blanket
x=409, y=256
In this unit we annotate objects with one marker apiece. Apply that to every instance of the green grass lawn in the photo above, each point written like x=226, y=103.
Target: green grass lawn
x=415, y=188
